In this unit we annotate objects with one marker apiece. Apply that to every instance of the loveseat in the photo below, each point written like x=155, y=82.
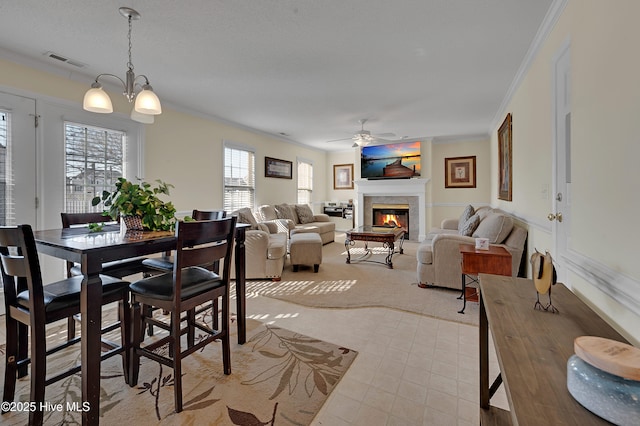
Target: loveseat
x=300, y=219
x=438, y=256
x=265, y=247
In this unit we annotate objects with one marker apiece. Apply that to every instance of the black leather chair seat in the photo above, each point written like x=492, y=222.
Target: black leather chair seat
x=66, y=293
x=161, y=263
x=195, y=280
x=118, y=268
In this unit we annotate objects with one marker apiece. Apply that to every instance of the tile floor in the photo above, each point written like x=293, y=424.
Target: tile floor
x=410, y=370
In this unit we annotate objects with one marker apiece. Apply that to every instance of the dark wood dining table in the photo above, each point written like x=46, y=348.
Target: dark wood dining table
x=91, y=250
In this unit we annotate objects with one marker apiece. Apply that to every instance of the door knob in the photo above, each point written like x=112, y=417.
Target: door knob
x=553, y=217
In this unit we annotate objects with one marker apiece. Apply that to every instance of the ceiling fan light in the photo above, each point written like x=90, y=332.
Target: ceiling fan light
x=142, y=118
x=147, y=102
x=97, y=100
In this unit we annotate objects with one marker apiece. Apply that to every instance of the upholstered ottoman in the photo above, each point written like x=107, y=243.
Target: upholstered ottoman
x=305, y=249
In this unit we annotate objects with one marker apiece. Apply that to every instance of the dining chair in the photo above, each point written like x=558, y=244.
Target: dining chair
x=187, y=287
x=118, y=268
x=164, y=264
x=30, y=306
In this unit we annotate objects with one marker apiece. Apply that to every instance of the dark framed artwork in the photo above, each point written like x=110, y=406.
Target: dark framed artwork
x=343, y=176
x=460, y=172
x=505, y=160
x=278, y=168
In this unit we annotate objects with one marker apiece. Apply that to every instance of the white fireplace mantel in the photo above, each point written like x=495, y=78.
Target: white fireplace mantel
x=394, y=187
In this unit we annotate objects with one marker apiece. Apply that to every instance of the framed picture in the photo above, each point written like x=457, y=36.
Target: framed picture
x=278, y=168
x=343, y=176
x=505, y=160
x=460, y=172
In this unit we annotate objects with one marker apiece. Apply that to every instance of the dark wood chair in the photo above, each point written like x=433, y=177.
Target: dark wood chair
x=187, y=287
x=164, y=264
x=30, y=306
x=119, y=268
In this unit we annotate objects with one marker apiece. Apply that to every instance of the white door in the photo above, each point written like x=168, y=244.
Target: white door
x=18, y=160
x=561, y=214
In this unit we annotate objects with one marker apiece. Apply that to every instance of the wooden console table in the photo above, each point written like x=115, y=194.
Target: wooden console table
x=533, y=347
x=495, y=260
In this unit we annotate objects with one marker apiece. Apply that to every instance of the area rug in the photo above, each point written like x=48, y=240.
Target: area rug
x=365, y=284
x=278, y=378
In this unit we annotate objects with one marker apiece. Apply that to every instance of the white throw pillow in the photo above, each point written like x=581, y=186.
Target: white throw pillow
x=496, y=227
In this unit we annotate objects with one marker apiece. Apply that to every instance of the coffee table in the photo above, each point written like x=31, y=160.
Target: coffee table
x=379, y=234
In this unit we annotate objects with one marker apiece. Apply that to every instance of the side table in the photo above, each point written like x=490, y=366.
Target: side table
x=496, y=261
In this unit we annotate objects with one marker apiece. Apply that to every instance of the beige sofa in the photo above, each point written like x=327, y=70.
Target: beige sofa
x=265, y=247
x=438, y=256
x=299, y=219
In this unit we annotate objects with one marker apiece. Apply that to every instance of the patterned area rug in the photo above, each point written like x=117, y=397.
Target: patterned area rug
x=278, y=378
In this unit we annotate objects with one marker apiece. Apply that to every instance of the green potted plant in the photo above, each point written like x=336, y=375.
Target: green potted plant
x=139, y=205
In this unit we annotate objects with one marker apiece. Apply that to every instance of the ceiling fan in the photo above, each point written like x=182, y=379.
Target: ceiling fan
x=363, y=137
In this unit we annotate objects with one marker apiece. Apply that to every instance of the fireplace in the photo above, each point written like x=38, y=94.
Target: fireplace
x=391, y=216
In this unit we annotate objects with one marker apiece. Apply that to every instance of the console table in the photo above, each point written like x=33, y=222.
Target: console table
x=533, y=347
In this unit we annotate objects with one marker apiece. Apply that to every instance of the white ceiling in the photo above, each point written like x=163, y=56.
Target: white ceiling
x=310, y=69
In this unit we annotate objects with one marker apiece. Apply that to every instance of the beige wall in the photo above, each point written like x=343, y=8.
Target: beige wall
x=605, y=149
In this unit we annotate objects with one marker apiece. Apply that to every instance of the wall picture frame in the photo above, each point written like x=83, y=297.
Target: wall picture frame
x=343, y=176
x=460, y=172
x=276, y=168
x=505, y=160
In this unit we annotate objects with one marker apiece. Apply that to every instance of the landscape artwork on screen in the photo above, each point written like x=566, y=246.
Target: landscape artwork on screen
x=391, y=161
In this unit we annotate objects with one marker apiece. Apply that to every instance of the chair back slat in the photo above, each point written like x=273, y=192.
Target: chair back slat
x=208, y=214
x=20, y=265
x=71, y=219
x=202, y=255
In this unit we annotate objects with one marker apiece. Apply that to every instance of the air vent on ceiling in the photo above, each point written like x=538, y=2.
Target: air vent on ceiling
x=61, y=58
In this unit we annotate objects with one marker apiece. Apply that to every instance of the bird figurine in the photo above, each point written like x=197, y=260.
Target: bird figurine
x=544, y=276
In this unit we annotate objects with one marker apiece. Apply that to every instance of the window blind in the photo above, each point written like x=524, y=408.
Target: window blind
x=7, y=207
x=305, y=182
x=239, y=178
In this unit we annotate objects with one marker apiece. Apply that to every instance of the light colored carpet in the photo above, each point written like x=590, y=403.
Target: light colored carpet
x=278, y=377
x=356, y=285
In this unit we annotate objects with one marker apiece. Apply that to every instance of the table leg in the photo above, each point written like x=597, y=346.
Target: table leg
x=463, y=295
x=484, y=356
x=389, y=261
x=347, y=245
x=241, y=307
x=91, y=315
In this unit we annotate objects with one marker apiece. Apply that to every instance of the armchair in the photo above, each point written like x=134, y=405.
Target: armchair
x=265, y=247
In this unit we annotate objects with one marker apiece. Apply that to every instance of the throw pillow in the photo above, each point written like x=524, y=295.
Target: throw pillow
x=464, y=217
x=305, y=215
x=285, y=211
x=245, y=216
x=496, y=227
x=470, y=225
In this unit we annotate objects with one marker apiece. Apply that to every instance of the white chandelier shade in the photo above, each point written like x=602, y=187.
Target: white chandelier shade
x=97, y=100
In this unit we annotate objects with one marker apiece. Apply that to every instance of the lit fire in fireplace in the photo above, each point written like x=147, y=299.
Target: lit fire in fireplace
x=390, y=220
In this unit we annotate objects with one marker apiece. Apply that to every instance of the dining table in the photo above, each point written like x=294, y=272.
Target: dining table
x=90, y=250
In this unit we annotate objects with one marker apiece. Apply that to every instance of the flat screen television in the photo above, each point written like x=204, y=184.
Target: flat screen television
x=391, y=161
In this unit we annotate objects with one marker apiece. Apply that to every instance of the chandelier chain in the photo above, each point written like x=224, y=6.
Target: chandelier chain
x=130, y=63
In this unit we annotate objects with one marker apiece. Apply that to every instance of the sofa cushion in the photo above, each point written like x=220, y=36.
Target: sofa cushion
x=464, y=217
x=305, y=215
x=285, y=211
x=246, y=216
x=495, y=227
x=268, y=212
x=469, y=226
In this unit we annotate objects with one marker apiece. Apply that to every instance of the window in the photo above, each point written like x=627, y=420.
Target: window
x=94, y=160
x=305, y=182
x=239, y=178
x=6, y=176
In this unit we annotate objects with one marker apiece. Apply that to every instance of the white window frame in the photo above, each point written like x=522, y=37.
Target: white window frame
x=230, y=206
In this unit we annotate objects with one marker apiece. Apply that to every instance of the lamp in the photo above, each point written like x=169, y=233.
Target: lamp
x=363, y=138
x=146, y=104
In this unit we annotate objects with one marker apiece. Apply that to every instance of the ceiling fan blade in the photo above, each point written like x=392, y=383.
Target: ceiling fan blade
x=385, y=135
x=339, y=140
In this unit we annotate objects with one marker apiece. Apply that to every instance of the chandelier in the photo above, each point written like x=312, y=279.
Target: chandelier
x=146, y=104
x=363, y=138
